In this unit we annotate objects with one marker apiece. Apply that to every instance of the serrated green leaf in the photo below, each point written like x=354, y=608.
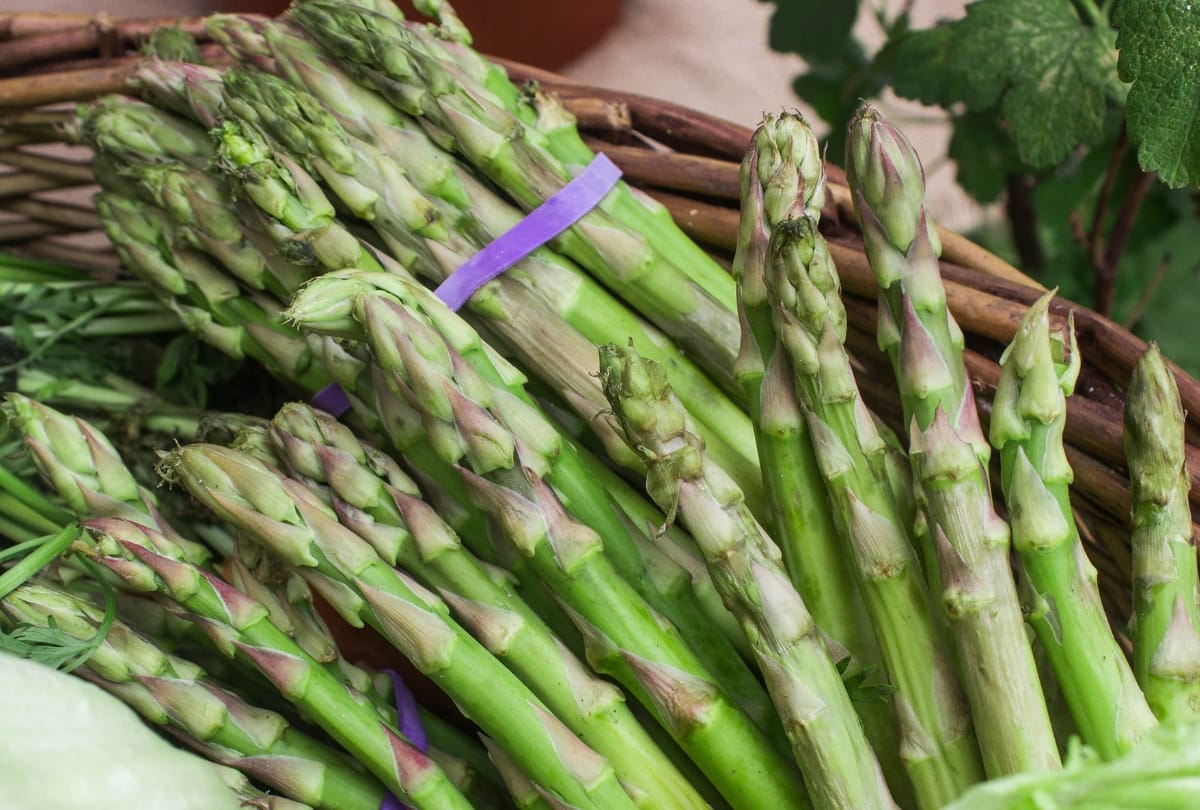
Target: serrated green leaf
x=816, y=30
x=1159, y=43
x=984, y=155
x=917, y=64
x=1051, y=73
x=1063, y=103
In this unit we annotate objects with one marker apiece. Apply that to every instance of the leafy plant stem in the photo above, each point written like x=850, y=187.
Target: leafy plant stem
x=1110, y=177
x=21, y=491
x=1118, y=239
x=16, y=510
x=1022, y=219
x=51, y=546
x=1091, y=12
x=14, y=531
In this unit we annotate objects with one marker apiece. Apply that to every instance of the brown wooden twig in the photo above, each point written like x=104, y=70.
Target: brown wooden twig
x=1118, y=239
x=89, y=259
x=74, y=85
x=20, y=183
x=20, y=24
x=62, y=215
x=689, y=173
x=600, y=115
x=25, y=230
x=70, y=171
x=714, y=226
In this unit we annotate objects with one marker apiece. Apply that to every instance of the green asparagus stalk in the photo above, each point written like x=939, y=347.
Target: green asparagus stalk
x=1028, y=415
x=698, y=313
x=175, y=693
x=81, y=465
x=285, y=516
x=206, y=300
x=440, y=365
x=189, y=89
x=210, y=220
x=782, y=171
x=1166, y=619
x=781, y=174
x=938, y=745
x=948, y=451
x=374, y=498
x=146, y=560
x=172, y=42
x=840, y=769
x=514, y=307
x=454, y=399
x=123, y=128
x=548, y=122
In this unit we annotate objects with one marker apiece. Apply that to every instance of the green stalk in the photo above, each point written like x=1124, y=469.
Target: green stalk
x=82, y=466
x=174, y=693
x=1166, y=618
x=425, y=349
x=1062, y=598
x=840, y=769
x=782, y=174
x=149, y=561
x=283, y=515
x=207, y=301
x=376, y=180
x=696, y=313
x=937, y=744
x=438, y=363
x=125, y=129
x=377, y=501
x=948, y=452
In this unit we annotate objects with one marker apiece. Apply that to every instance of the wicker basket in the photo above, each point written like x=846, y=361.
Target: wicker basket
x=687, y=160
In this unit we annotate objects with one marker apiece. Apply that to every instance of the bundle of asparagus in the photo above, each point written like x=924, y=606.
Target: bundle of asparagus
x=627, y=514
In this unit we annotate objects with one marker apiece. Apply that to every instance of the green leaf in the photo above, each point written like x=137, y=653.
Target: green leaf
x=1159, y=43
x=1050, y=73
x=835, y=89
x=918, y=66
x=817, y=30
x=984, y=155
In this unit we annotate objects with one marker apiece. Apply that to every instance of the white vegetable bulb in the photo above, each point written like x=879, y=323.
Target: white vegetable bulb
x=68, y=745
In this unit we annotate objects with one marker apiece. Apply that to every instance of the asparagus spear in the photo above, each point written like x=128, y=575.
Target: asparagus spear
x=948, y=451
x=405, y=207
x=282, y=514
x=81, y=465
x=938, y=745
x=1166, y=619
x=782, y=173
x=1028, y=415
x=147, y=560
x=206, y=301
x=377, y=501
x=172, y=692
x=123, y=129
x=439, y=364
x=840, y=769
x=696, y=312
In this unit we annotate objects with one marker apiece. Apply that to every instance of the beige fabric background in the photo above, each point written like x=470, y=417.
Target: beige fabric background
x=707, y=54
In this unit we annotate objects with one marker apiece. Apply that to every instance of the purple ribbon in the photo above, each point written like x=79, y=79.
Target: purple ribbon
x=332, y=399
x=545, y=222
x=408, y=718
x=542, y=224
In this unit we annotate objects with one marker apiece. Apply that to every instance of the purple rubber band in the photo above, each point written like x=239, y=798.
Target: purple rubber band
x=332, y=399
x=542, y=224
x=408, y=718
